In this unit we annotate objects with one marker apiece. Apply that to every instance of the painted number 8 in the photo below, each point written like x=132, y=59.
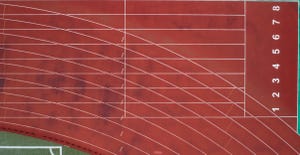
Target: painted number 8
x=276, y=8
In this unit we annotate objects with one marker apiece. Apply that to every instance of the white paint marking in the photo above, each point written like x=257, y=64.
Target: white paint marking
x=128, y=29
x=128, y=44
x=125, y=61
x=121, y=149
x=51, y=151
x=157, y=152
x=245, y=54
x=131, y=14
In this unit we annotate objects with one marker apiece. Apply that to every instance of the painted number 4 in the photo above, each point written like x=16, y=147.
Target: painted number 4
x=275, y=109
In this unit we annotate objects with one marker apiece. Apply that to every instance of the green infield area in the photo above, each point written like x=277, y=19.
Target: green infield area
x=14, y=144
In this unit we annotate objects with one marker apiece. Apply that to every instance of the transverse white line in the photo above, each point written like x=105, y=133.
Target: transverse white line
x=128, y=29
x=158, y=117
x=132, y=58
x=116, y=73
x=125, y=58
x=245, y=55
x=121, y=88
x=128, y=44
x=128, y=14
x=128, y=102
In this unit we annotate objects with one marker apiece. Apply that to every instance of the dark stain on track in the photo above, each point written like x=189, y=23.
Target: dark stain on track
x=2, y=83
x=81, y=91
x=106, y=109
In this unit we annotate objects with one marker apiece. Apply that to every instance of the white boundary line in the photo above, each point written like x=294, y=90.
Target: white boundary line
x=156, y=117
x=128, y=44
x=51, y=152
x=298, y=85
x=125, y=57
x=132, y=88
x=30, y=147
x=169, y=0
x=245, y=54
x=128, y=29
x=128, y=102
x=132, y=73
x=34, y=147
x=132, y=59
x=131, y=14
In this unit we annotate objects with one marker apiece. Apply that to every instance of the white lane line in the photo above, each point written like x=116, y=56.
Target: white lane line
x=157, y=152
x=125, y=58
x=147, y=117
x=128, y=44
x=245, y=56
x=121, y=88
x=51, y=151
x=128, y=29
x=117, y=73
x=30, y=147
x=128, y=14
x=129, y=102
x=118, y=58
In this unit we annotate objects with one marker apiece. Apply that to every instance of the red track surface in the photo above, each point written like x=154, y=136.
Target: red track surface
x=174, y=84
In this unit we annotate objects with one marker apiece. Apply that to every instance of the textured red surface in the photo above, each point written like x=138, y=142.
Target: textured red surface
x=174, y=84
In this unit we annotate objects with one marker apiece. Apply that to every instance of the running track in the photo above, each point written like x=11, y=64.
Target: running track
x=149, y=77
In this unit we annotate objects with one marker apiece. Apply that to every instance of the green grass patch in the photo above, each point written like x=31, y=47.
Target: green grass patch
x=11, y=139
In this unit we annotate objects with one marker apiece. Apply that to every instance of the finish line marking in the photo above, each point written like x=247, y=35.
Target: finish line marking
x=245, y=54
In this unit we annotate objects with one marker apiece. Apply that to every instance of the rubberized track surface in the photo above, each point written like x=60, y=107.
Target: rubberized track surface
x=147, y=77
